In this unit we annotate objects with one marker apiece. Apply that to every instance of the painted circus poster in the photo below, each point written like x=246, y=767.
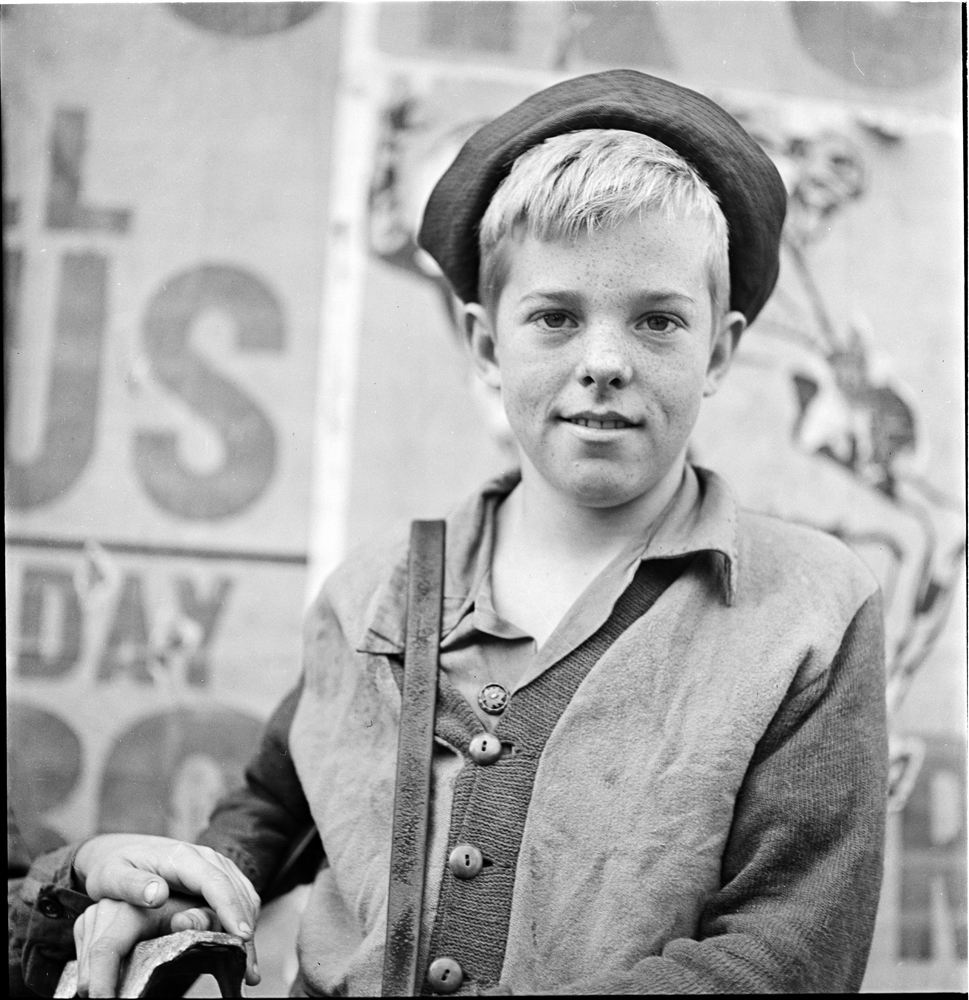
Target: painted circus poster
x=226, y=361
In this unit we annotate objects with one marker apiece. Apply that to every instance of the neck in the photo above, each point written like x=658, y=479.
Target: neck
x=542, y=519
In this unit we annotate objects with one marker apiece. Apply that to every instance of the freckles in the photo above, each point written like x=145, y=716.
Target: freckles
x=535, y=387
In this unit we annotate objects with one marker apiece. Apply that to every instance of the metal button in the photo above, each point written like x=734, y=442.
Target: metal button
x=484, y=748
x=445, y=975
x=465, y=861
x=50, y=908
x=493, y=699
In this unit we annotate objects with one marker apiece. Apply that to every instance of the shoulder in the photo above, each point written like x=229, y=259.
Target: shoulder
x=808, y=593
x=769, y=539
x=368, y=565
x=367, y=591
x=352, y=593
x=775, y=557
x=807, y=566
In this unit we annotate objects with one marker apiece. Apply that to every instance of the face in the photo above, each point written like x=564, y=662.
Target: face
x=602, y=349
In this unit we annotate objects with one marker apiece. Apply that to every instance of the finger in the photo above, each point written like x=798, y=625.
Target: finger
x=241, y=882
x=252, y=966
x=104, y=934
x=253, y=978
x=80, y=948
x=86, y=929
x=199, y=918
x=122, y=880
x=249, y=888
x=201, y=871
x=102, y=953
x=232, y=872
x=104, y=967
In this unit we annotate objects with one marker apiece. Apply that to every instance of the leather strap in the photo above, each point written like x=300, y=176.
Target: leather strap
x=408, y=855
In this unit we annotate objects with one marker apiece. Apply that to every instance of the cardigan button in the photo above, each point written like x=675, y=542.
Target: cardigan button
x=484, y=748
x=493, y=699
x=465, y=861
x=50, y=908
x=445, y=975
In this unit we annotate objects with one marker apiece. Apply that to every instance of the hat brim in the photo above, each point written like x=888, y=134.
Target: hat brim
x=745, y=181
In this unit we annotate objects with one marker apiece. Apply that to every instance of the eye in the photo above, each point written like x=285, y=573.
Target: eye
x=554, y=320
x=660, y=323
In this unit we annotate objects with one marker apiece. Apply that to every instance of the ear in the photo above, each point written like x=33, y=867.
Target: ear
x=725, y=341
x=479, y=332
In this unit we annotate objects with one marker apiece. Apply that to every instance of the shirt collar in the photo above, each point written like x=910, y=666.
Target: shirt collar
x=702, y=517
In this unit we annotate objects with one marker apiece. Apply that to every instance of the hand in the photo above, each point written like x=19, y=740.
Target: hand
x=142, y=870
x=107, y=931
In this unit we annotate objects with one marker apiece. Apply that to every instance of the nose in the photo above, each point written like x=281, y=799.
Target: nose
x=605, y=362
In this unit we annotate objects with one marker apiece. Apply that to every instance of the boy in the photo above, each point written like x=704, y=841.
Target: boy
x=660, y=750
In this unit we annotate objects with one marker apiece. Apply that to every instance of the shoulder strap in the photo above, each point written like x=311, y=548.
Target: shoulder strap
x=408, y=857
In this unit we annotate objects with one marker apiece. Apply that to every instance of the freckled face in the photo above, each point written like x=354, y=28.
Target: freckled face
x=603, y=349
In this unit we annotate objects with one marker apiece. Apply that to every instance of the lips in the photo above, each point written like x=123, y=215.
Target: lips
x=601, y=421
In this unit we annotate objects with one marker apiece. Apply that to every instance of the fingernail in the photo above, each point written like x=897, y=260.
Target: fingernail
x=151, y=892
x=255, y=968
x=244, y=928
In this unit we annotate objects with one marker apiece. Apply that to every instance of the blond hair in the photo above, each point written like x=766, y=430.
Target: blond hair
x=597, y=179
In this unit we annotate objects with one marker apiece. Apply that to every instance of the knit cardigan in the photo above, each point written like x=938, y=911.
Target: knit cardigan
x=702, y=811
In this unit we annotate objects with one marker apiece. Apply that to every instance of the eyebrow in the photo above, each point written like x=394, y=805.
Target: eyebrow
x=669, y=294
x=663, y=297
x=558, y=295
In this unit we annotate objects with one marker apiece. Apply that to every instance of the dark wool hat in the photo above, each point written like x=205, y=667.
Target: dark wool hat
x=746, y=182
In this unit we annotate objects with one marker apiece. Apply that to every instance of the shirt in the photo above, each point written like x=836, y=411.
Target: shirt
x=479, y=646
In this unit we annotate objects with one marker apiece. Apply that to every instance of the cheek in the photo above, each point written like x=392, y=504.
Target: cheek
x=529, y=389
x=520, y=402
x=678, y=388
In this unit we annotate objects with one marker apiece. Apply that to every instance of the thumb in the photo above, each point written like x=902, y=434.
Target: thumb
x=154, y=891
x=123, y=881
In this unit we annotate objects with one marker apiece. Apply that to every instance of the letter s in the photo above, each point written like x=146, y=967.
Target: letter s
x=247, y=435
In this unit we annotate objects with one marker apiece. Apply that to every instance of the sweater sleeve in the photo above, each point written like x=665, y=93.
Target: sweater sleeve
x=265, y=825
x=42, y=906
x=803, y=864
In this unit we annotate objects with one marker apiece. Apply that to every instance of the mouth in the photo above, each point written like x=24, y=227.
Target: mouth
x=601, y=421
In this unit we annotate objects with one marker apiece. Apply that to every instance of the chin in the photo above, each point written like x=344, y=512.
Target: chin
x=597, y=490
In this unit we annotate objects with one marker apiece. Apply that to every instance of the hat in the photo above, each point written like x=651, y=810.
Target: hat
x=745, y=181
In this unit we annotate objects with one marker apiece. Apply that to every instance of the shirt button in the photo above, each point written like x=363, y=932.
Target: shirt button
x=484, y=748
x=445, y=975
x=493, y=699
x=465, y=861
x=50, y=908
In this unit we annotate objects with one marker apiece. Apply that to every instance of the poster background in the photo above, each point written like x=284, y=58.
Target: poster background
x=224, y=364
